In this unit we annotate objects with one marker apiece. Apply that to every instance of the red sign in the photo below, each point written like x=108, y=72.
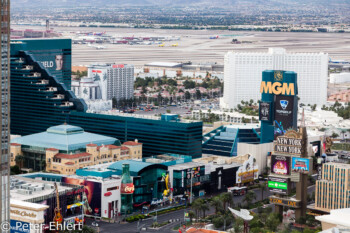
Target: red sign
x=107, y=194
x=96, y=71
x=127, y=188
x=96, y=210
x=118, y=66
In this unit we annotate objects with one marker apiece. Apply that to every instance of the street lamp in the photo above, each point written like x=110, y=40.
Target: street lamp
x=191, y=187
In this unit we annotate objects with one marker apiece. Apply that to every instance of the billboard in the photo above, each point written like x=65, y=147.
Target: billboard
x=285, y=201
x=280, y=165
x=91, y=195
x=55, y=55
x=248, y=172
x=301, y=165
x=283, y=114
x=289, y=144
x=278, y=185
x=264, y=111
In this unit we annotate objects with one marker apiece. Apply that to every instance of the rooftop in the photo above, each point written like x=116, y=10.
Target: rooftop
x=131, y=143
x=71, y=156
x=64, y=138
x=23, y=189
x=339, y=217
x=135, y=166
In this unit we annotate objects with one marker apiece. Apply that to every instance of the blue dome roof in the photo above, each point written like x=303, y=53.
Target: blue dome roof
x=65, y=129
x=65, y=138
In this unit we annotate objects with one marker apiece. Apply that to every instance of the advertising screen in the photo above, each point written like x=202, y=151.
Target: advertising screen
x=264, y=111
x=301, y=165
x=278, y=185
x=248, y=172
x=280, y=165
x=283, y=114
x=57, y=62
x=316, y=147
x=91, y=195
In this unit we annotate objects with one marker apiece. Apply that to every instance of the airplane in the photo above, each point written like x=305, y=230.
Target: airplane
x=161, y=45
x=214, y=37
x=174, y=45
x=97, y=46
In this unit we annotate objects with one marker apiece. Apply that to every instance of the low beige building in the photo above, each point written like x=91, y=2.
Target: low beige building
x=67, y=164
x=65, y=148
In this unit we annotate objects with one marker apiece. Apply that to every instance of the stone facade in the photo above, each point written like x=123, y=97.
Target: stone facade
x=67, y=164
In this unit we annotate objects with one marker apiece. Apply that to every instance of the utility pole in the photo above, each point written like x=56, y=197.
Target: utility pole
x=191, y=188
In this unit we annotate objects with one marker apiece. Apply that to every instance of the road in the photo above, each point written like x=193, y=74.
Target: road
x=177, y=217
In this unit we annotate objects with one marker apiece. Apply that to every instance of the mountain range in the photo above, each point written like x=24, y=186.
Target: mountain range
x=179, y=3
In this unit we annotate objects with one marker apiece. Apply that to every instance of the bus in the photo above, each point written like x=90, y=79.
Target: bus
x=238, y=191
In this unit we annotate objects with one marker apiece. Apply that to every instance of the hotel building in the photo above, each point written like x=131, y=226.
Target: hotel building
x=333, y=190
x=41, y=98
x=243, y=75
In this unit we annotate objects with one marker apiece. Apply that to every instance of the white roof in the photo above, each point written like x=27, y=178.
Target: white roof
x=47, y=190
x=338, y=217
x=164, y=64
x=27, y=204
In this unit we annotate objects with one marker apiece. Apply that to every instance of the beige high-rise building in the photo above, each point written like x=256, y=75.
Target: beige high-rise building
x=333, y=190
x=5, y=112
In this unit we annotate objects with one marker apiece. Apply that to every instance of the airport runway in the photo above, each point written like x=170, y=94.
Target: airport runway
x=195, y=45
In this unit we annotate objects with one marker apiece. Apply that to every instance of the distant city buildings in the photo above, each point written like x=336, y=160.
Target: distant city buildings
x=333, y=190
x=339, y=78
x=114, y=81
x=173, y=69
x=341, y=96
x=243, y=75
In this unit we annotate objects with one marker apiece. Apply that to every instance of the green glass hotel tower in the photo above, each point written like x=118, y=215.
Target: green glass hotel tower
x=41, y=98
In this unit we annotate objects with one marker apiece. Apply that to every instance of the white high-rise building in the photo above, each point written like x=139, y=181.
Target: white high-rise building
x=243, y=75
x=114, y=80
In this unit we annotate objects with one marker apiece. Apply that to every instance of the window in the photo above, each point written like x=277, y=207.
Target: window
x=113, y=188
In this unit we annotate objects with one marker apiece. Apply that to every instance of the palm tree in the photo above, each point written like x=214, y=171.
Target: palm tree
x=249, y=197
x=204, y=207
x=19, y=160
x=196, y=206
x=217, y=203
x=254, y=163
x=227, y=199
x=262, y=187
x=191, y=215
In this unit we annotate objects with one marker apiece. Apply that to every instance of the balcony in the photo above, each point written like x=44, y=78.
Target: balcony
x=34, y=75
x=58, y=97
x=43, y=82
x=27, y=67
x=67, y=104
x=51, y=89
x=20, y=60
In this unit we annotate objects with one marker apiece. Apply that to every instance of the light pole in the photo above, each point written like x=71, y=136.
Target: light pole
x=191, y=188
